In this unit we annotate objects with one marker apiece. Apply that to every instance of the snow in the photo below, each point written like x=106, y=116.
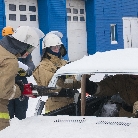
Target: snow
x=114, y=61
x=80, y=126
x=71, y=127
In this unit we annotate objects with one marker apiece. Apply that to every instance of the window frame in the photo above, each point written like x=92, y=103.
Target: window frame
x=113, y=33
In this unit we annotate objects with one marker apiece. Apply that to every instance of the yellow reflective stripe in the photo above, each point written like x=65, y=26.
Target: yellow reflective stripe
x=4, y=116
x=47, y=111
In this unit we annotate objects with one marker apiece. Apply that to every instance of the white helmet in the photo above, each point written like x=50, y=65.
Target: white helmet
x=28, y=35
x=59, y=34
x=51, y=40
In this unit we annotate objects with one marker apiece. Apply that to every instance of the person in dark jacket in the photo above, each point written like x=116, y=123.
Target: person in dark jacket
x=123, y=84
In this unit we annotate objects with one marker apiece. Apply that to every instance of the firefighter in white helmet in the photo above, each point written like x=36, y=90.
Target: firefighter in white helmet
x=21, y=43
x=51, y=62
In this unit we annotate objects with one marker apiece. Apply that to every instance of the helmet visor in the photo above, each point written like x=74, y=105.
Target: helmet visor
x=30, y=49
x=55, y=48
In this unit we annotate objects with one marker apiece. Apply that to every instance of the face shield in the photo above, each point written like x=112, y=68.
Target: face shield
x=26, y=52
x=55, y=48
x=30, y=49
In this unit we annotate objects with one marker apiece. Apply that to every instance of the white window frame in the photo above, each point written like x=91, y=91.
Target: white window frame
x=114, y=31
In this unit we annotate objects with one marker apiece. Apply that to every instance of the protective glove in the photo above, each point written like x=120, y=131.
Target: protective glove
x=91, y=87
x=117, y=99
x=22, y=72
x=22, y=69
x=21, y=86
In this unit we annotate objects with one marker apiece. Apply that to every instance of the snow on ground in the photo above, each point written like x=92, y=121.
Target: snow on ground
x=71, y=127
x=78, y=126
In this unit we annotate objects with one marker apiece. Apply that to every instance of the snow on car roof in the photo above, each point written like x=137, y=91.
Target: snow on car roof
x=118, y=61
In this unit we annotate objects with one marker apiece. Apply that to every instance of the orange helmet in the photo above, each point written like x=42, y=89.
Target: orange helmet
x=7, y=31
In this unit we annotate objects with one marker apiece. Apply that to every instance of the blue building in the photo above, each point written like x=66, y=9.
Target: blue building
x=87, y=25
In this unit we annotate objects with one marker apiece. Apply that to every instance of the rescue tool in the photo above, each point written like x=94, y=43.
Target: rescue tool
x=31, y=90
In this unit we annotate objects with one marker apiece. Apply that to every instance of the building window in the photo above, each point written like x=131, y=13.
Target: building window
x=32, y=17
x=82, y=18
x=68, y=18
x=32, y=8
x=12, y=17
x=68, y=10
x=81, y=11
x=113, y=28
x=22, y=7
x=75, y=11
x=23, y=18
x=12, y=7
x=75, y=18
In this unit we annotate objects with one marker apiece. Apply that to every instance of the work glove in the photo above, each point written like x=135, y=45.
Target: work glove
x=22, y=69
x=91, y=87
x=22, y=72
x=117, y=99
x=21, y=86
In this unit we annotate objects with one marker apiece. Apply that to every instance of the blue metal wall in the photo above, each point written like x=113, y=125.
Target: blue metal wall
x=2, y=16
x=43, y=18
x=111, y=12
x=90, y=26
x=52, y=16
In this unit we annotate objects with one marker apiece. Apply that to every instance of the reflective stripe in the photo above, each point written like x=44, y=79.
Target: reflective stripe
x=47, y=111
x=4, y=116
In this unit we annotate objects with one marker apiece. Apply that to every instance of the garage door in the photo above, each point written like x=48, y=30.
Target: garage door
x=76, y=29
x=23, y=12
x=130, y=32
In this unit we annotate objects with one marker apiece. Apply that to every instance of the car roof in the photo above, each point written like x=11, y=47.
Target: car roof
x=120, y=61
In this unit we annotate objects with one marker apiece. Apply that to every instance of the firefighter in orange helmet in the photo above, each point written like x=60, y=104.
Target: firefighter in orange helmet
x=7, y=31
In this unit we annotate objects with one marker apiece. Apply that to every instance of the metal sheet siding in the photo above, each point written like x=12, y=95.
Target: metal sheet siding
x=90, y=26
x=106, y=14
x=57, y=18
x=2, y=16
x=43, y=17
x=111, y=12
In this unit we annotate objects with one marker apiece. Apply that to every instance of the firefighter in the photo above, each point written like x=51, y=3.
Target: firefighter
x=53, y=51
x=17, y=107
x=20, y=44
x=124, y=85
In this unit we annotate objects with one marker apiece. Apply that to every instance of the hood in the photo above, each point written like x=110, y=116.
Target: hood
x=12, y=45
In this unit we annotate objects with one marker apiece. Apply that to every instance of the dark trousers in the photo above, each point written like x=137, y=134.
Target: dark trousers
x=18, y=108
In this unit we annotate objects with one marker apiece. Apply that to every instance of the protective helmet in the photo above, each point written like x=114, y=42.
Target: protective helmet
x=28, y=35
x=7, y=31
x=59, y=34
x=51, y=40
